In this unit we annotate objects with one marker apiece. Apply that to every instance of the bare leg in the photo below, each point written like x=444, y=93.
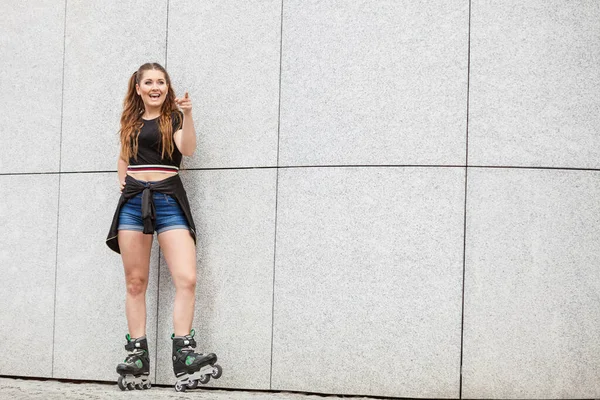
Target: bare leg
x=135, y=252
x=180, y=252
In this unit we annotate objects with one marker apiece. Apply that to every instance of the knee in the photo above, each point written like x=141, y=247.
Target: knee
x=136, y=286
x=187, y=283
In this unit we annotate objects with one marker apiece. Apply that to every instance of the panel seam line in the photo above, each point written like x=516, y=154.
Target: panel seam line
x=62, y=112
x=464, y=267
x=276, y=198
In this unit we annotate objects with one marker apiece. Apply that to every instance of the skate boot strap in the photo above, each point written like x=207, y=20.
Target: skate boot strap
x=132, y=354
x=185, y=350
x=139, y=343
x=185, y=341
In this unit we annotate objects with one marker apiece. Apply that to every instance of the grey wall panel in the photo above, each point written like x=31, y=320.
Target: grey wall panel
x=532, y=308
x=226, y=54
x=31, y=61
x=368, y=281
x=534, y=83
x=28, y=207
x=234, y=212
x=90, y=295
x=105, y=43
x=374, y=82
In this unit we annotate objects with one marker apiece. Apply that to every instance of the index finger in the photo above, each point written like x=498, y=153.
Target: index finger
x=186, y=94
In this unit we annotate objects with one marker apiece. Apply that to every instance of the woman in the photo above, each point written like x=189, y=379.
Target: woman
x=154, y=136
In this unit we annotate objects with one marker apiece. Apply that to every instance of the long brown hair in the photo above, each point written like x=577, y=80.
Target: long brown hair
x=133, y=108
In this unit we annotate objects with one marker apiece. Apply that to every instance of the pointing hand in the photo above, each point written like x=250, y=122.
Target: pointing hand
x=185, y=103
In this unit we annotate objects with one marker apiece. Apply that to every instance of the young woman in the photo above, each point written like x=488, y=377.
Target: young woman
x=154, y=137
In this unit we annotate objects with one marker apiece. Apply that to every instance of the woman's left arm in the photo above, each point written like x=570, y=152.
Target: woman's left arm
x=185, y=138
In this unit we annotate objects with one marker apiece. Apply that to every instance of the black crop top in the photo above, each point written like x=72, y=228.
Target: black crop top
x=150, y=144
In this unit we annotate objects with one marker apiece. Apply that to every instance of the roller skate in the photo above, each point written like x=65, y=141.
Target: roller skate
x=135, y=370
x=192, y=368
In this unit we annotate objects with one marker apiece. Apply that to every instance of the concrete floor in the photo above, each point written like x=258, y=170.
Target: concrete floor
x=17, y=389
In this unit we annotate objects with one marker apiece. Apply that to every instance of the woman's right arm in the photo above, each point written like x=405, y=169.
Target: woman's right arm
x=122, y=171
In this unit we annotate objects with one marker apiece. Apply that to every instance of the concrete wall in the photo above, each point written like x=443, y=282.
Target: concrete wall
x=393, y=198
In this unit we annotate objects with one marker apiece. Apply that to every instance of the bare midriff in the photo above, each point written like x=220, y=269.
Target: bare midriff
x=150, y=176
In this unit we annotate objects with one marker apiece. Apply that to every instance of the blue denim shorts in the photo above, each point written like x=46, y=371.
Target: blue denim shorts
x=169, y=214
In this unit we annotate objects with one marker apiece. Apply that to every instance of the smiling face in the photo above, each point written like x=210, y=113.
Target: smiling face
x=152, y=88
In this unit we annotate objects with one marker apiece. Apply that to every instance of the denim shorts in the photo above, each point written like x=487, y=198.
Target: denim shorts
x=169, y=214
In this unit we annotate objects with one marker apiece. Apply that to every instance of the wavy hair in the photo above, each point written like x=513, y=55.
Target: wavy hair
x=133, y=109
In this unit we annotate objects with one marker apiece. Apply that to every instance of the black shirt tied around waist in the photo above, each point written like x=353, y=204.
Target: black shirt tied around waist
x=171, y=186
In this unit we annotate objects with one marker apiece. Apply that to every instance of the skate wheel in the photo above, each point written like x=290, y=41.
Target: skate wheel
x=205, y=379
x=130, y=386
x=193, y=385
x=138, y=386
x=179, y=387
x=147, y=385
x=217, y=372
x=121, y=384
